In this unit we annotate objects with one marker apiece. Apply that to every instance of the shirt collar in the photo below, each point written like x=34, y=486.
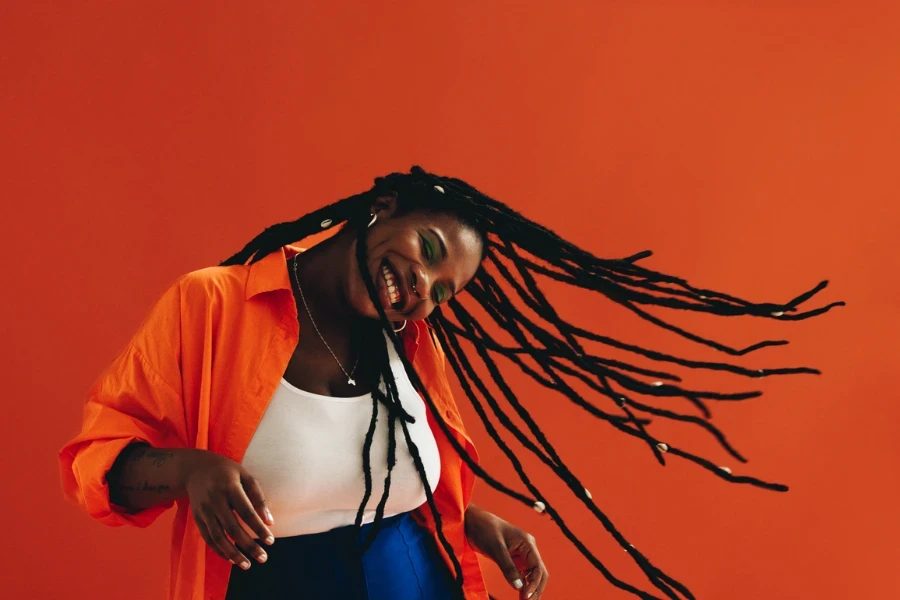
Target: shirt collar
x=270, y=273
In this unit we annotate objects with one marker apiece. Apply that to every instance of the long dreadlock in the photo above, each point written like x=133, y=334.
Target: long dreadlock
x=544, y=346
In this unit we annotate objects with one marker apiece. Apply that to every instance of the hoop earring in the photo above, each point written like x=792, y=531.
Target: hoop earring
x=402, y=327
x=372, y=222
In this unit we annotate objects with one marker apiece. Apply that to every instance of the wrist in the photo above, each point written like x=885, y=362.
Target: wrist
x=475, y=518
x=185, y=459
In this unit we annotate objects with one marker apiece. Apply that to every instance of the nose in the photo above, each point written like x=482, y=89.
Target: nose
x=421, y=283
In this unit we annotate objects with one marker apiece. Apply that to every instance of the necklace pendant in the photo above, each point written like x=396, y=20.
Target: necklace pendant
x=351, y=381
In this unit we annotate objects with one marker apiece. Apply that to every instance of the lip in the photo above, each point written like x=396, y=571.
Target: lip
x=399, y=282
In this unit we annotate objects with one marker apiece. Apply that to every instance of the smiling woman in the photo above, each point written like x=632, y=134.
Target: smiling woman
x=260, y=382
x=418, y=259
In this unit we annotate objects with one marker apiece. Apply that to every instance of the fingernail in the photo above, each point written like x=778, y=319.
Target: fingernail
x=245, y=565
x=518, y=584
x=270, y=540
x=530, y=594
x=269, y=517
x=263, y=557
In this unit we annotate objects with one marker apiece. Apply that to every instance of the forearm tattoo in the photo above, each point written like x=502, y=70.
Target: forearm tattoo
x=146, y=487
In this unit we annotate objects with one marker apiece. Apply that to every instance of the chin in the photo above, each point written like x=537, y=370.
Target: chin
x=360, y=303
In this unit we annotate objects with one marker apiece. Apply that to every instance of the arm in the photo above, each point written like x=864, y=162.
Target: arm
x=143, y=477
x=136, y=399
x=134, y=456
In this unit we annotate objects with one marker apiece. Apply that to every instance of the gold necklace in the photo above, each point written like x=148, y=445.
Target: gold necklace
x=349, y=375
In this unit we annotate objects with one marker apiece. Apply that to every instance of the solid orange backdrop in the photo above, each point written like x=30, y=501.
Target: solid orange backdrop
x=753, y=148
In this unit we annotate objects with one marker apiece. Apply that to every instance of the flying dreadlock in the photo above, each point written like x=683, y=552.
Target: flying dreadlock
x=544, y=346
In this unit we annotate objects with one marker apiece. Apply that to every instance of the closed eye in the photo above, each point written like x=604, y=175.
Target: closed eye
x=427, y=249
x=438, y=294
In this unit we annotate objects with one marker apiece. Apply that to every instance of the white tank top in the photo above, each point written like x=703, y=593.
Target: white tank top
x=307, y=456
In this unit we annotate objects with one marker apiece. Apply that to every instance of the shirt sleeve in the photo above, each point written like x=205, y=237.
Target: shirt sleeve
x=137, y=398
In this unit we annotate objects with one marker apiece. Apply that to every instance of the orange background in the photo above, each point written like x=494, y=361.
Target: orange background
x=754, y=149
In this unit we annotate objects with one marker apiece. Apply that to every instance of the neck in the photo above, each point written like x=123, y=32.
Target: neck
x=321, y=271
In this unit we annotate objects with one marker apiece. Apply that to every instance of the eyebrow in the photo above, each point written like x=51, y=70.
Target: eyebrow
x=440, y=240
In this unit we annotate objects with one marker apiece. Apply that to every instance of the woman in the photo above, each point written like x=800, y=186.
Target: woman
x=310, y=387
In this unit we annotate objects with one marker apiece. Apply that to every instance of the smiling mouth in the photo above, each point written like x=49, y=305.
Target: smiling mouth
x=393, y=285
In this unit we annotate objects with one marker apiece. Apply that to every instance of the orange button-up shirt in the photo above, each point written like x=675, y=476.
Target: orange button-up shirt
x=199, y=373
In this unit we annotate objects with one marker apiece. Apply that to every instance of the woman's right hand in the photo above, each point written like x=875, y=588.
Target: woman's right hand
x=217, y=487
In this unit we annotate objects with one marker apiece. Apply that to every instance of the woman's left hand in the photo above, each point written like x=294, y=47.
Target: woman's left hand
x=514, y=551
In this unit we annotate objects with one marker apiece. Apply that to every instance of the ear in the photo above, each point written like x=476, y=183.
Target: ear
x=385, y=205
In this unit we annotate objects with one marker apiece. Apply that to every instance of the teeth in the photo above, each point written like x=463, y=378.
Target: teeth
x=393, y=291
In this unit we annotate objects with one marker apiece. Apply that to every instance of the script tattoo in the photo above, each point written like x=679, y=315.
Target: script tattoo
x=136, y=454
x=159, y=457
x=146, y=487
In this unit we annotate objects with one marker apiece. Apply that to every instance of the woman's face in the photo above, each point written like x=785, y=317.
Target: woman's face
x=418, y=260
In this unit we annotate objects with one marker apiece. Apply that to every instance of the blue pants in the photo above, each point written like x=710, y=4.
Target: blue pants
x=402, y=563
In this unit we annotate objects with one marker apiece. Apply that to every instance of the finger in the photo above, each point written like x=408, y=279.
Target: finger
x=537, y=572
x=257, y=498
x=238, y=534
x=537, y=582
x=508, y=567
x=250, y=513
x=545, y=577
x=221, y=542
x=204, y=533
